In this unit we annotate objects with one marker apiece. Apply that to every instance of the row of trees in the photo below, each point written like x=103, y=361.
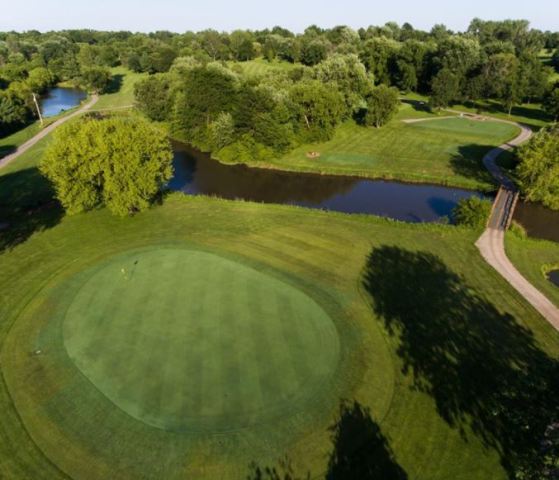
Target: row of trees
x=490, y=60
x=218, y=110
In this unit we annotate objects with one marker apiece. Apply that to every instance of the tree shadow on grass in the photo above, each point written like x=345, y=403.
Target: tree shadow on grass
x=469, y=163
x=485, y=372
x=26, y=207
x=115, y=84
x=417, y=105
x=5, y=150
x=360, y=451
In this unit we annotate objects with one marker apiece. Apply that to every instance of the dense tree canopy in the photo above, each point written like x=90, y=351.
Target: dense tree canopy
x=118, y=162
x=538, y=170
x=196, y=80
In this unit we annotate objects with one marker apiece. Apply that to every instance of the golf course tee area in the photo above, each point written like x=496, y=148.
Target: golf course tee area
x=212, y=339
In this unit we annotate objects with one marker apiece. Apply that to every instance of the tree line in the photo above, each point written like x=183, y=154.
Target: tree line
x=243, y=119
x=490, y=60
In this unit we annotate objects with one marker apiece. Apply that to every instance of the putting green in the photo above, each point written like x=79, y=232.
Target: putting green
x=187, y=340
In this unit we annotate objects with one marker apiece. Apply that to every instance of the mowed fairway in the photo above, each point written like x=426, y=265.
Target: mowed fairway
x=186, y=340
x=447, y=151
x=209, y=339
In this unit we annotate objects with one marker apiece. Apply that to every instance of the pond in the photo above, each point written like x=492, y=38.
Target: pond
x=554, y=277
x=59, y=99
x=539, y=221
x=196, y=173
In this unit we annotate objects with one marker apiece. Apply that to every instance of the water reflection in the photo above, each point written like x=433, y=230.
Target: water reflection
x=196, y=173
x=60, y=99
x=539, y=221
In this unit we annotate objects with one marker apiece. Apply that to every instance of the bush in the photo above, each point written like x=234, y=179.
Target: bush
x=518, y=230
x=245, y=150
x=472, y=212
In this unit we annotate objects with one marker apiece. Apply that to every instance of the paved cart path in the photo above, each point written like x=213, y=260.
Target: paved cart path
x=45, y=131
x=492, y=243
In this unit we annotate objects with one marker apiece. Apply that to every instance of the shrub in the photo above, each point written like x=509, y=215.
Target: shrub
x=472, y=212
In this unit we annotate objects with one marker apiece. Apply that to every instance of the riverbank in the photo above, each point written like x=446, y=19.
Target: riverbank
x=441, y=151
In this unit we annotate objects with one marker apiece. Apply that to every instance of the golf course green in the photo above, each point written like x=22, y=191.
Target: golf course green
x=186, y=340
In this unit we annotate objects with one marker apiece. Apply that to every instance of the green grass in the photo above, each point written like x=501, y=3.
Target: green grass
x=122, y=94
x=427, y=333
x=11, y=142
x=445, y=151
x=529, y=114
x=533, y=258
x=210, y=321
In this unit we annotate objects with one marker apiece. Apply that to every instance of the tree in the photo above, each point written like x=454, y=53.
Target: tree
x=382, y=105
x=502, y=79
x=349, y=75
x=445, y=88
x=205, y=92
x=221, y=131
x=242, y=45
x=538, y=168
x=314, y=51
x=96, y=79
x=153, y=97
x=472, y=212
x=407, y=76
x=120, y=162
x=551, y=102
x=555, y=60
x=13, y=111
x=40, y=79
x=377, y=55
x=318, y=109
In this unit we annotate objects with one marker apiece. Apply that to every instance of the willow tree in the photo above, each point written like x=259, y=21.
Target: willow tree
x=118, y=162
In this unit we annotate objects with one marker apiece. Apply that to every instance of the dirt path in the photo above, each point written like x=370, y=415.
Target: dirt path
x=492, y=243
x=45, y=131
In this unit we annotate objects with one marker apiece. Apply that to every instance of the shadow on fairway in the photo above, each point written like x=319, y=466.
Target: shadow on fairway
x=115, y=84
x=485, y=372
x=5, y=150
x=26, y=207
x=360, y=451
x=417, y=105
x=360, y=448
x=469, y=162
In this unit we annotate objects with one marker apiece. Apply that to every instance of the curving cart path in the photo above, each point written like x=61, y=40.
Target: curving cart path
x=492, y=243
x=45, y=131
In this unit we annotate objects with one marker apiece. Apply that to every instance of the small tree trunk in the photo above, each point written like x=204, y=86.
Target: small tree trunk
x=38, y=109
x=307, y=122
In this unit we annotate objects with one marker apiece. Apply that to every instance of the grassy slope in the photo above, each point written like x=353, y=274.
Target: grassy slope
x=308, y=246
x=446, y=151
x=123, y=90
x=530, y=257
x=530, y=114
x=9, y=143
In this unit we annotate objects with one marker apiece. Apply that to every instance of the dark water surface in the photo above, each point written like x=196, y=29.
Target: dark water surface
x=554, y=277
x=60, y=99
x=539, y=221
x=196, y=173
